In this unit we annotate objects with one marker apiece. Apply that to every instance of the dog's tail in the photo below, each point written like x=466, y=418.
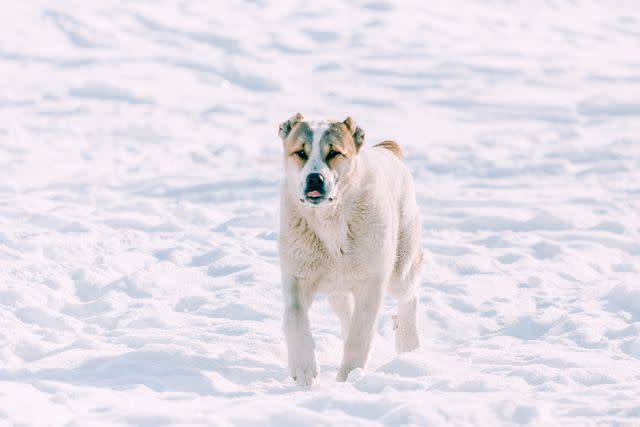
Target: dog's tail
x=393, y=147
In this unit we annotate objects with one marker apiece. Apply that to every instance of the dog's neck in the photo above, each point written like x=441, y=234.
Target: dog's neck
x=328, y=222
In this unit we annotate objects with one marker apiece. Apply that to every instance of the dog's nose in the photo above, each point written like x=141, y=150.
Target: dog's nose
x=315, y=182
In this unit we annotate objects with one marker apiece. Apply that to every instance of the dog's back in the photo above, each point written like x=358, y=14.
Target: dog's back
x=390, y=186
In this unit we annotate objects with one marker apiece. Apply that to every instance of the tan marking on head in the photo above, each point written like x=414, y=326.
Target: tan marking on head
x=356, y=132
x=286, y=126
x=299, y=138
x=341, y=140
x=391, y=146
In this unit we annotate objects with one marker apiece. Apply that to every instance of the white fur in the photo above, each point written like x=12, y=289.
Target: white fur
x=316, y=163
x=367, y=241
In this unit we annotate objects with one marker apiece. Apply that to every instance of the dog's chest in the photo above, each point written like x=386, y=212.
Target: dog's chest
x=334, y=248
x=342, y=245
x=326, y=244
x=333, y=237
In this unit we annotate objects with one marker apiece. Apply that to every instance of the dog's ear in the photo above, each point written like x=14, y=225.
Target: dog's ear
x=286, y=127
x=356, y=132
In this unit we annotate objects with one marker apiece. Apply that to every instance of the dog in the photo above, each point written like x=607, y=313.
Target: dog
x=350, y=228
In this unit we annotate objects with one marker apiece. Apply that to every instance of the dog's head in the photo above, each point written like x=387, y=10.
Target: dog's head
x=319, y=156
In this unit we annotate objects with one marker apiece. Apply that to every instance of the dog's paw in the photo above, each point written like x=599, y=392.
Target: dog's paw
x=304, y=374
x=343, y=373
x=406, y=342
x=303, y=368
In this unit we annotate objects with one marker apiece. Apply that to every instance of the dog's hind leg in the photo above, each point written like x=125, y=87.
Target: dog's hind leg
x=342, y=305
x=405, y=323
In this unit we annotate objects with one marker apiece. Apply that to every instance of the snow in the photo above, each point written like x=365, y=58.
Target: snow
x=139, y=175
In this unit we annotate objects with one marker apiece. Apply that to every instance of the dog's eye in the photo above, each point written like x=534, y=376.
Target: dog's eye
x=332, y=154
x=302, y=154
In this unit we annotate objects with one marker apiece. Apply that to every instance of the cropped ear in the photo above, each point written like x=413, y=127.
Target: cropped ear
x=356, y=132
x=286, y=127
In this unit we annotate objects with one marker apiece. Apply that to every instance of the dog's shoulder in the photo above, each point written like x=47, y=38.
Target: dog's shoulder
x=392, y=146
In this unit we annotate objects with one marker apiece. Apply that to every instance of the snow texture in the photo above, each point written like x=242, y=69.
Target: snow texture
x=139, y=176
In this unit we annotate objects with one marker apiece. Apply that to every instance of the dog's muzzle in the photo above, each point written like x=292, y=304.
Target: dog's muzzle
x=315, y=190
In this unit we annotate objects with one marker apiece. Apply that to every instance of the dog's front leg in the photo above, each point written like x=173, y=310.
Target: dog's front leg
x=358, y=342
x=298, y=297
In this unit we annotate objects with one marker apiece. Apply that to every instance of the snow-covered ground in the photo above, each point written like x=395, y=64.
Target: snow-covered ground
x=139, y=172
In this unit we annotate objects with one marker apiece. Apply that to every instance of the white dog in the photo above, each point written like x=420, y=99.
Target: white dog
x=350, y=227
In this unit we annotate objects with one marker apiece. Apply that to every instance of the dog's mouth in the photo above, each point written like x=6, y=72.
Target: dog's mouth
x=314, y=196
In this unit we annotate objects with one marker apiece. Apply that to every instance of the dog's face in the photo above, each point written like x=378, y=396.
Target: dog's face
x=319, y=156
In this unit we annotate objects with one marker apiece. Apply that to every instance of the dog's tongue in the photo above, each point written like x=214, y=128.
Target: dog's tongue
x=313, y=193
